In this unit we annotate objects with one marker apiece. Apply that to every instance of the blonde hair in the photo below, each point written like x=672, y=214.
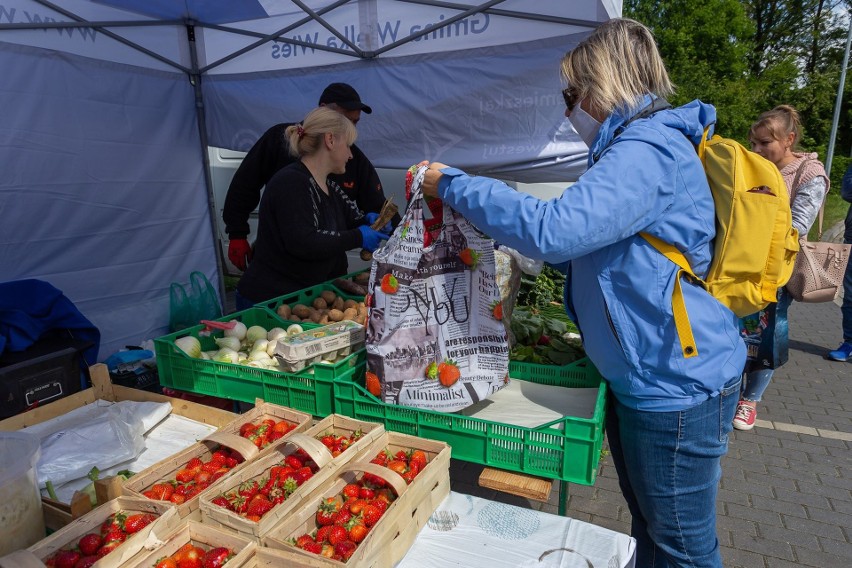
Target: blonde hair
x=305, y=139
x=616, y=66
x=780, y=122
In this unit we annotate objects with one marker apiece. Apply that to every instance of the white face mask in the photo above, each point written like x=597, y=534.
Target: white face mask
x=585, y=125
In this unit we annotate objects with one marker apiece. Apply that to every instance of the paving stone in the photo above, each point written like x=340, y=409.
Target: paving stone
x=836, y=547
x=752, y=514
x=802, y=498
x=736, y=558
x=763, y=546
x=791, y=537
x=807, y=557
x=797, y=523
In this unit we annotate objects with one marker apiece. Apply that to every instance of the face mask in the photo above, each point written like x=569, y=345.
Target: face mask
x=586, y=126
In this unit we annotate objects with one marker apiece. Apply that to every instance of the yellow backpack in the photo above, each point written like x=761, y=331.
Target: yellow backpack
x=755, y=246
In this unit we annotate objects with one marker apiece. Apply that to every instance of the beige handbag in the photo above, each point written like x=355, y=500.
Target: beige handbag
x=820, y=267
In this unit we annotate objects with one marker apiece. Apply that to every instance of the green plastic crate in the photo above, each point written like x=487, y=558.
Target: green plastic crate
x=570, y=454
x=309, y=390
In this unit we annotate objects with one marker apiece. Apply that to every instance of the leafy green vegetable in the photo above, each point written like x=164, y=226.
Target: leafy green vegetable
x=540, y=338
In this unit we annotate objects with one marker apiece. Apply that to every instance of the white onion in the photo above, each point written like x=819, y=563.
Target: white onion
x=228, y=342
x=260, y=345
x=254, y=333
x=239, y=330
x=226, y=355
x=189, y=345
x=294, y=329
x=259, y=356
x=270, y=347
x=275, y=333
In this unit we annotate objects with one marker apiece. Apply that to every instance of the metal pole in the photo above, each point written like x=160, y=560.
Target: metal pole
x=195, y=80
x=838, y=100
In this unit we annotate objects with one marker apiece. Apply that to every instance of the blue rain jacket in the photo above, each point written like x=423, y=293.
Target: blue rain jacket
x=618, y=288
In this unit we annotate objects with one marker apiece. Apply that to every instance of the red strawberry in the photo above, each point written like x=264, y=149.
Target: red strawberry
x=345, y=549
x=107, y=548
x=90, y=544
x=373, y=384
x=136, y=523
x=351, y=490
x=67, y=558
x=469, y=257
x=216, y=557
x=115, y=534
x=389, y=284
x=418, y=457
x=322, y=533
x=448, y=373
x=259, y=506
x=293, y=461
x=249, y=489
x=371, y=515
x=313, y=547
x=337, y=534
x=358, y=532
x=86, y=562
x=304, y=539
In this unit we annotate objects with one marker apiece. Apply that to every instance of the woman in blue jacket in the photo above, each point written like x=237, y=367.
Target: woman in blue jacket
x=670, y=416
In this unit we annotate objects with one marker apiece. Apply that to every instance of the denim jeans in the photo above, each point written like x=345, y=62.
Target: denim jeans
x=755, y=383
x=669, y=466
x=846, y=308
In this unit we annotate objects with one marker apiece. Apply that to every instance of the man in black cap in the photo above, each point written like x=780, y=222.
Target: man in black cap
x=271, y=153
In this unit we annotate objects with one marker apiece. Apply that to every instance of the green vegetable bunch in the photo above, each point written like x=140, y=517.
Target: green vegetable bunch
x=540, y=338
x=542, y=290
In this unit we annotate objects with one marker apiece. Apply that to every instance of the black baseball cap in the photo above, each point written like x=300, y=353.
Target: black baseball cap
x=344, y=96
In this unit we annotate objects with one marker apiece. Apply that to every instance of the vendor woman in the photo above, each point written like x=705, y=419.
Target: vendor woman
x=306, y=222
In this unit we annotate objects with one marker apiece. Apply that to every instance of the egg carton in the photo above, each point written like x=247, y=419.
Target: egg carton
x=322, y=344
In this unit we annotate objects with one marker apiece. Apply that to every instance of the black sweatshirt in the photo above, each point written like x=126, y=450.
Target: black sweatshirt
x=302, y=237
x=271, y=153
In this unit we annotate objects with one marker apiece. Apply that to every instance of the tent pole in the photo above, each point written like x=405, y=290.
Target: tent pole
x=838, y=100
x=195, y=80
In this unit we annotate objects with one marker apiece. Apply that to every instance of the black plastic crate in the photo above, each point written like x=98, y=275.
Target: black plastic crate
x=48, y=370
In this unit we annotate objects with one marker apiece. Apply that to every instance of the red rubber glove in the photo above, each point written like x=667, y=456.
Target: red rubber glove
x=239, y=252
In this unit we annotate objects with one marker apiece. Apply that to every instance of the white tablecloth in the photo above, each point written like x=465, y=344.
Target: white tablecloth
x=472, y=532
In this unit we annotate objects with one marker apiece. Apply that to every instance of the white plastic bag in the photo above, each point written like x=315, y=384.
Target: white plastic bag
x=103, y=441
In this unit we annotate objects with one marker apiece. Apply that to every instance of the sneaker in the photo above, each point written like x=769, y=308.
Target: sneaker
x=746, y=413
x=842, y=353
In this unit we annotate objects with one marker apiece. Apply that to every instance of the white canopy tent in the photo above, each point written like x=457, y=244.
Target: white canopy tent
x=108, y=107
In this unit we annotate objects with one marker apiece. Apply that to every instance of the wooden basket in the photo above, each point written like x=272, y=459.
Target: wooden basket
x=165, y=469
x=198, y=534
x=261, y=411
x=392, y=536
x=219, y=516
x=168, y=519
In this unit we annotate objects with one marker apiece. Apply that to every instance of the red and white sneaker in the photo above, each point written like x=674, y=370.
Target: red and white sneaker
x=746, y=413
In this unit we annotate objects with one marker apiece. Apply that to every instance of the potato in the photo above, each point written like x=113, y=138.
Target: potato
x=350, y=314
x=338, y=304
x=302, y=311
x=315, y=316
x=324, y=319
x=361, y=318
x=284, y=311
x=350, y=304
x=335, y=315
x=328, y=296
x=362, y=278
x=320, y=304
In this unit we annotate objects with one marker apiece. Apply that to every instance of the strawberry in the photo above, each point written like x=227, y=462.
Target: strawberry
x=86, y=561
x=248, y=489
x=366, y=493
x=283, y=427
x=497, y=310
x=389, y=284
x=469, y=257
x=337, y=534
x=380, y=504
x=418, y=457
x=351, y=490
x=345, y=549
x=409, y=476
x=373, y=385
x=115, y=534
x=166, y=563
x=322, y=533
x=259, y=506
x=356, y=506
x=185, y=475
x=313, y=547
x=216, y=557
x=304, y=539
x=327, y=510
x=136, y=523
x=194, y=463
x=67, y=558
x=371, y=515
x=293, y=462
x=162, y=491
x=302, y=475
x=115, y=520
x=358, y=532
x=448, y=373
x=90, y=544
x=398, y=466
x=219, y=457
x=431, y=371
x=107, y=548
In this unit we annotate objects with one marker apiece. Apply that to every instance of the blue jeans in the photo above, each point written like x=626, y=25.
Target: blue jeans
x=755, y=383
x=846, y=308
x=669, y=466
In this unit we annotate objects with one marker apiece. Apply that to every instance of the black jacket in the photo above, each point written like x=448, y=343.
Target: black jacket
x=271, y=153
x=302, y=237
